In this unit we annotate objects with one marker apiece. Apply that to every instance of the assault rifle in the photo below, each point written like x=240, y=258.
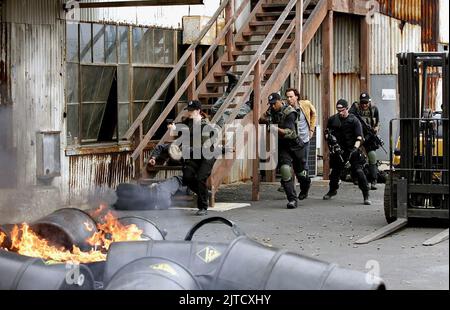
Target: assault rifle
x=371, y=138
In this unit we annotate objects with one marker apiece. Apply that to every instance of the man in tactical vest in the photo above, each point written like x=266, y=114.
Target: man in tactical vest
x=290, y=146
x=370, y=115
x=306, y=124
x=348, y=132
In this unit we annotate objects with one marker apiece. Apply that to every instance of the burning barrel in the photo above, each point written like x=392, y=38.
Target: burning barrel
x=18, y=272
x=149, y=229
x=153, y=273
x=66, y=227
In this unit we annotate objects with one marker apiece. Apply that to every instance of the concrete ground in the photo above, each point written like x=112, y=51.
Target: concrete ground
x=325, y=230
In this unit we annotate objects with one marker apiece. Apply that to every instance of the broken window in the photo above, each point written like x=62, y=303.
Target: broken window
x=105, y=89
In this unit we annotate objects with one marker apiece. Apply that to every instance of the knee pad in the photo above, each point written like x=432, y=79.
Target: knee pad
x=286, y=174
x=372, y=157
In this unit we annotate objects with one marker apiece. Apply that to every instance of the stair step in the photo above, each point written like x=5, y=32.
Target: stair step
x=274, y=5
x=221, y=74
x=220, y=84
x=267, y=23
x=260, y=32
x=259, y=42
x=249, y=53
x=273, y=14
x=216, y=95
x=235, y=63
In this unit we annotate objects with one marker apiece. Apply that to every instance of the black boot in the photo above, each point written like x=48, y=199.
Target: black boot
x=292, y=204
x=330, y=194
x=366, y=198
x=232, y=81
x=291, y=195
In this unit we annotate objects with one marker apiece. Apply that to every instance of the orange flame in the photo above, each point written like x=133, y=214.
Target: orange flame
x=2, y=238
x=113, y=231
x=26, y=242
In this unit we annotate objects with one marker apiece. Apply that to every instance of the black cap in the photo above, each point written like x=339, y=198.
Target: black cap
x=342, y=103
x=194, y=105
x=364, y=97
x=273, y=98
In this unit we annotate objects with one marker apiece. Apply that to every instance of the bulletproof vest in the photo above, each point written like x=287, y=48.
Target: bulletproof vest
x=367, y=115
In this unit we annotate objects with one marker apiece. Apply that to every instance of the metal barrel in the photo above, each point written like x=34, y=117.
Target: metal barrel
x=150, y=230
x=18, y=272
x=202, y=258
x=153, y=273
x=249, y=265
x=66, y=227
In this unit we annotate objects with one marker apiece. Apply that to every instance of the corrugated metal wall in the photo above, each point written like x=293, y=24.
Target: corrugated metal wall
x=430, y=25
x=93, y=174
x=390, y=36
x=36, y=64
x=407, y=10
x=443, y=21
x=36, y=12
x=37, y=88
x=346, y=44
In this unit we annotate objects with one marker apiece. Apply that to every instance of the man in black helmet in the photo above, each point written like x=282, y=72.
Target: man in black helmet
x=290, y=146
x=349, y=135
x=370, y=115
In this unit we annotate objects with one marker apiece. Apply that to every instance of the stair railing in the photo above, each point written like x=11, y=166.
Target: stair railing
x=136, y=129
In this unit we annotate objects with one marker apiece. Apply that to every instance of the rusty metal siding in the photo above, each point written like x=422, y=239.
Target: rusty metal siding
x=346, y=47
x=346, y=44
x=242, y=168
x=390, y=36
x=312, y=56
x=35, y=12
x=443, y=21
x=406, y=10
x=346, y=86
x=90, y=174
x=430, y=25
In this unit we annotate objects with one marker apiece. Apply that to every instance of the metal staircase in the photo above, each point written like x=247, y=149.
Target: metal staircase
x=263, y=53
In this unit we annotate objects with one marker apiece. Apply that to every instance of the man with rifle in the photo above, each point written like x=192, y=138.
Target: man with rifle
x=344, y=136
x=369, y=117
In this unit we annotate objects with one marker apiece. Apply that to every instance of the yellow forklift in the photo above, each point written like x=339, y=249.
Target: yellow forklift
x=418, y=182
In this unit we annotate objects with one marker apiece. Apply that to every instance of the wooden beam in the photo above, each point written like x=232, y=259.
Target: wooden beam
x=229, y=36
x=125, y=3
x=327, y=84
x=256, y=106
x=190, y=70
x=364, y=52
x=298, y=43
x=357, y=7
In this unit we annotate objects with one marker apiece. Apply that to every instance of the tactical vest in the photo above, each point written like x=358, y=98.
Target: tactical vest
x=367, y=115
